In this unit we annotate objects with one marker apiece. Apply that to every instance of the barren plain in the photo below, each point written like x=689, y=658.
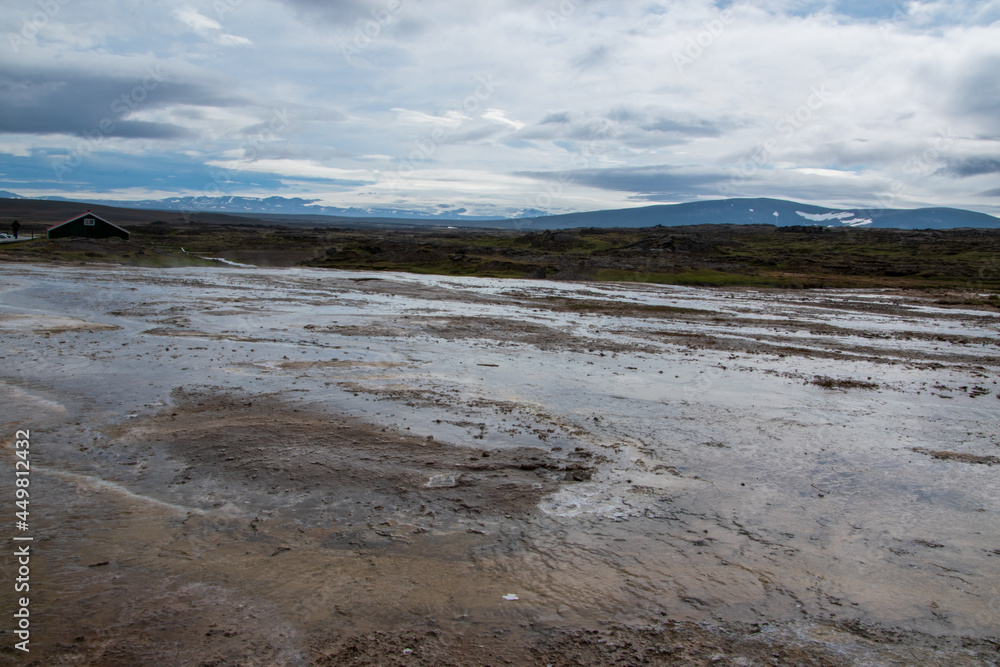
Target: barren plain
x=302, y=466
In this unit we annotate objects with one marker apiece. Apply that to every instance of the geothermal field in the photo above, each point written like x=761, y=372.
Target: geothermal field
x=246, y=466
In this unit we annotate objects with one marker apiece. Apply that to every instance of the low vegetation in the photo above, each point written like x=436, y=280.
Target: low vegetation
x=838, y=383
x=964, y=264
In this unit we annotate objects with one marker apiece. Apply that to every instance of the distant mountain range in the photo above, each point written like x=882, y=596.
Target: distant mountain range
x=723, y=211
x=278, y=206
x=766, y=212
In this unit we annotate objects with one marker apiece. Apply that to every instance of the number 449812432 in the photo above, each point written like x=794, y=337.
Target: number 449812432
x=22, y=469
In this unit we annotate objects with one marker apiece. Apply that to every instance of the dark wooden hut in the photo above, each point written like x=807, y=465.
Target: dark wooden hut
x=88, y=226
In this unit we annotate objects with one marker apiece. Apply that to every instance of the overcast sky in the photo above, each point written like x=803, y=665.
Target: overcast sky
x=502, y=106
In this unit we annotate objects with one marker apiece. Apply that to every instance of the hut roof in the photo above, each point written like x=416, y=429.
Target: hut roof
x=88, y=214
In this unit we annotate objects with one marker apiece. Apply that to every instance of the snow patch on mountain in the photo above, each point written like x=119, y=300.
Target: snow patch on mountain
x=846, y=218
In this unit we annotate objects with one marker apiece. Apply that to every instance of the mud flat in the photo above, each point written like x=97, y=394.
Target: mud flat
x=308, y=467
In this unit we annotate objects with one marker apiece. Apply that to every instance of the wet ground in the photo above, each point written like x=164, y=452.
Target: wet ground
x=295, y=467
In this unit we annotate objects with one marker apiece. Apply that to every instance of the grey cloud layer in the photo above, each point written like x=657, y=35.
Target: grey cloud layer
x=653, y=183
x=71, y=102
x=975, y=166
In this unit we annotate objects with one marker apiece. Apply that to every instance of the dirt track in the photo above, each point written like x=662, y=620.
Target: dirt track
x=305, y=467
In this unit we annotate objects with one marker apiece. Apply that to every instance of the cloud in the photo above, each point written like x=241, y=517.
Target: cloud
x=298, y=169
x=208, y=28
x=651, y=181
x=500, y=118
x=67, y=101
x=560, y=118
x=935, y=13
x=594, y=57
x=976, y=95
x=449, y=119
x=973, y=166
x=338, y=12
x=474, y=135
x=225, y=39
x=196, y=21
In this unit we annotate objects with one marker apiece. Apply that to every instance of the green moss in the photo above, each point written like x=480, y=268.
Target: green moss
x=963, y=262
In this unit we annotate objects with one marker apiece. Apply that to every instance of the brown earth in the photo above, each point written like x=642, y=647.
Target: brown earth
x=361, y=546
